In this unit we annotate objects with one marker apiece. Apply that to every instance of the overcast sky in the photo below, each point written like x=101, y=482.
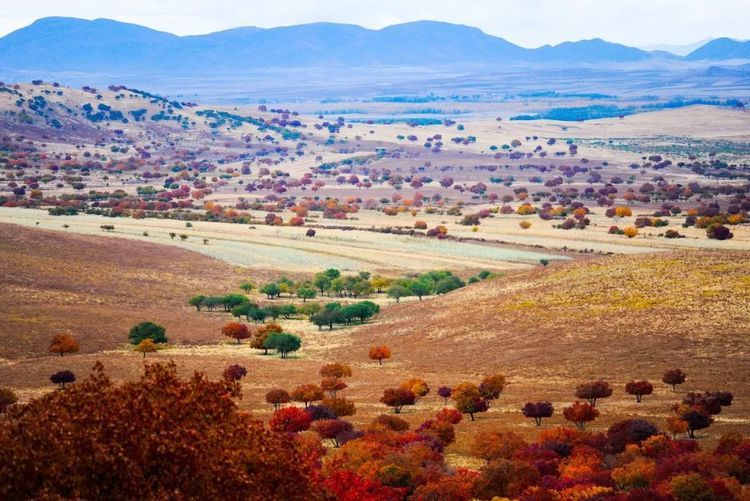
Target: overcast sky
x=526, y=22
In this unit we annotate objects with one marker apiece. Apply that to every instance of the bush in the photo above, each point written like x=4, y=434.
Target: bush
x=719, y=232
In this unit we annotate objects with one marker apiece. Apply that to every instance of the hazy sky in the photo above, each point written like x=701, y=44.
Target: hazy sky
x=526, y=22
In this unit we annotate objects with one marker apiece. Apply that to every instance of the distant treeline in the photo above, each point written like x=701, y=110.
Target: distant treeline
x=410, y=121
x=602, y=111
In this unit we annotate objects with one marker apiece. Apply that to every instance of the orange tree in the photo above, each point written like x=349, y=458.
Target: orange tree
x=380, y=353
x=63, y=343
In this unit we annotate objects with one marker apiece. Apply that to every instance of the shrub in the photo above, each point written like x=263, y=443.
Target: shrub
x=719, y=232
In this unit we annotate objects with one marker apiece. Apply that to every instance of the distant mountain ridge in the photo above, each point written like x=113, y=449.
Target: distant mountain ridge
x=58, y=44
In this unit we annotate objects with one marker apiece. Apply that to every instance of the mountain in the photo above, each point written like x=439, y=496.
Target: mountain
x=721, y=48
x=677, y=50
x=596, y=50
x=76, y=45
x=62, y=43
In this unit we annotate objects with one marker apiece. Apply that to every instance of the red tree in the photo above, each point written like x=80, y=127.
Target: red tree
x=236, y=330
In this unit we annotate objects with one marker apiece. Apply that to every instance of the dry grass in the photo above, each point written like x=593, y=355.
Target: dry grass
x=614, y=318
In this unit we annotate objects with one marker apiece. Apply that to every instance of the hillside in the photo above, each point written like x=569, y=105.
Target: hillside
x=615, y=318
x=99, y=287
x=623, y=316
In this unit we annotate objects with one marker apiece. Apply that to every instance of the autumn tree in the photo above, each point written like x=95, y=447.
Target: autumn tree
x=398, y=398
x=385, y=422
x=468, y=399
x=335, y=369
x=261, y=335
x=673, y=377
x=332, y=385
x=236, y=330
x=504, y=479
x=416, y=386
x=147, y=330
x=290, y=420
x=307, y=393
x=380, y=353
x=340, y=406
x=444, y=392
x=63, y=343
x=234, y=372
x=538, y=410
x=676, y=425
x=696, y=417
x=333, y=430
x=146, y=346
x=62, y=378
x=594, y=390
x=492, y=386
x=47, y=445
x=277, y=396
x=580, y=413
x=639, y=388
x=492, y=445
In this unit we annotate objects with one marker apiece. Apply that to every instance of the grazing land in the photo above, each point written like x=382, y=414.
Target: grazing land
x=470, y=256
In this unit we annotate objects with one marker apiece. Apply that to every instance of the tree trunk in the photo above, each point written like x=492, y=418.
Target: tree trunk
x=380, y=360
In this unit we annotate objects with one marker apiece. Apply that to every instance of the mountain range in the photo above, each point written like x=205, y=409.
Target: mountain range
x=62, y=44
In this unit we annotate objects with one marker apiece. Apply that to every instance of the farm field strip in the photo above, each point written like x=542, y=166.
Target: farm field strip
x=286, y=248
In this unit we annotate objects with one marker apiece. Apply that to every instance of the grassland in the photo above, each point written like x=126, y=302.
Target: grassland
x=617, y=318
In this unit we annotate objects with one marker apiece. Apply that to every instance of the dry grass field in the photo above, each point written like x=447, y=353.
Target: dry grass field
x=616, y=318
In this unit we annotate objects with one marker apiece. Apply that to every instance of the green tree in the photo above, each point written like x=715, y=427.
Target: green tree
x=419, y=289
x=246, y=287
x=305, y=292
x=147, y=330
x=197, y=301
x=233, y=300
x=283, y=343
x=397, y=291
x=271, y=290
